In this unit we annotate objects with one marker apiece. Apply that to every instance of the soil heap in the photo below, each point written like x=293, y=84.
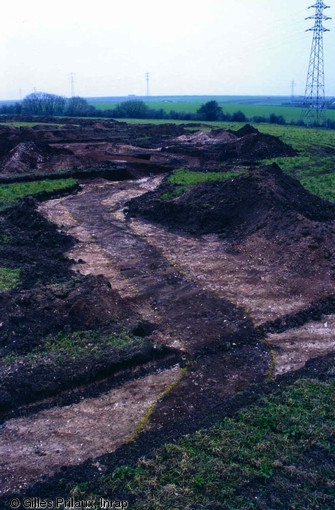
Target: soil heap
x=264, y=200
x=246, y=144
x=23, y=157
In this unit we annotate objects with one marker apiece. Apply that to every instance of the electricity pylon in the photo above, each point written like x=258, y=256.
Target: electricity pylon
x=314, y=110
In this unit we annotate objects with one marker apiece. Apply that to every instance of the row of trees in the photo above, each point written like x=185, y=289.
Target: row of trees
x=41, y=103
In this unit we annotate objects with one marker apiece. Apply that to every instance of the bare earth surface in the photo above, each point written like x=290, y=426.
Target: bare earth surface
x=296, y=346
x=38, y=445
x=205, y=301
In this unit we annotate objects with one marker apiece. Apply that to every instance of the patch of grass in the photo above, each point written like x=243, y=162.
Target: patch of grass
x=9, y=278
x=278, y=453
x=5, y=239
x=184, y=177
x=74, y=346
x=174, y=194
x=75, y=343
x=323, y=186
x=31, y=124
x=11, y=193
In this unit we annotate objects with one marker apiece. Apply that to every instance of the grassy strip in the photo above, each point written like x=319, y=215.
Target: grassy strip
x=278, y=453
x=31, y=124
x=74, y=346
x=9, y=278
x=182, y=179
x=323, y=186
x=11, y=193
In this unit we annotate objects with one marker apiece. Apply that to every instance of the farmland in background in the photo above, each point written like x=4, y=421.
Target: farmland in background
x=250, y=105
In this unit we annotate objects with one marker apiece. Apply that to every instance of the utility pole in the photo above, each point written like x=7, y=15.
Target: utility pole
x=314, y=109
x=147, y=77
x=292, y=91
x=72, y=84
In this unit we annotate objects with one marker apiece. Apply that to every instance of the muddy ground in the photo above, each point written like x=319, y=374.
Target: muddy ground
x=124, y=329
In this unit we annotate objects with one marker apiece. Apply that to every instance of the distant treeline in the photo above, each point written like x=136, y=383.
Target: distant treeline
x=43, y=104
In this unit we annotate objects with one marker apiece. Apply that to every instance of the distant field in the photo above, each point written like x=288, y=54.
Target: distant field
x=250, y=106
x=256, y=100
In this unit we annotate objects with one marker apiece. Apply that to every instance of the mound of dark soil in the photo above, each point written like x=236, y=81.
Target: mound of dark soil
x=22, y=158
x=82, y=303
x=264, y=200
x=246, y=130
x=220, y=145
x=34, y=245
x=51, y=296
x=29, y=317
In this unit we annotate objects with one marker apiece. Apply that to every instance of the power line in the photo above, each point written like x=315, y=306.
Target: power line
x=292, y=91
x=314, y=110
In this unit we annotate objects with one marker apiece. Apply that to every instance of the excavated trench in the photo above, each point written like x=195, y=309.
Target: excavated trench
x=207, y=303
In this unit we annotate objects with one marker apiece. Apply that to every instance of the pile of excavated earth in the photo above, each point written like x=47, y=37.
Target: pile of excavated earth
x=141, y=313
x=264, y=200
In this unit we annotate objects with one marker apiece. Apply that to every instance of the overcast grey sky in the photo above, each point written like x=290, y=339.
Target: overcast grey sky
x=188, y=46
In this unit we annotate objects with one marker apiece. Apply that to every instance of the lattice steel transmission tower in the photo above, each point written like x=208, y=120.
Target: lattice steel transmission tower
x=314, y=110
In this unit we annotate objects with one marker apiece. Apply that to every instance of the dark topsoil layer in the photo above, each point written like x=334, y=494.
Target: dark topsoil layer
x=53, y=299
x=263, y=201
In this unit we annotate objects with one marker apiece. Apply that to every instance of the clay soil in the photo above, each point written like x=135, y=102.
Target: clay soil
x=210, y=302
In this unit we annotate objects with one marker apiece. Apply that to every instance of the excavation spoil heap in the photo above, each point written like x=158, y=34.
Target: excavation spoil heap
x=264, y=200
x=221, y=145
